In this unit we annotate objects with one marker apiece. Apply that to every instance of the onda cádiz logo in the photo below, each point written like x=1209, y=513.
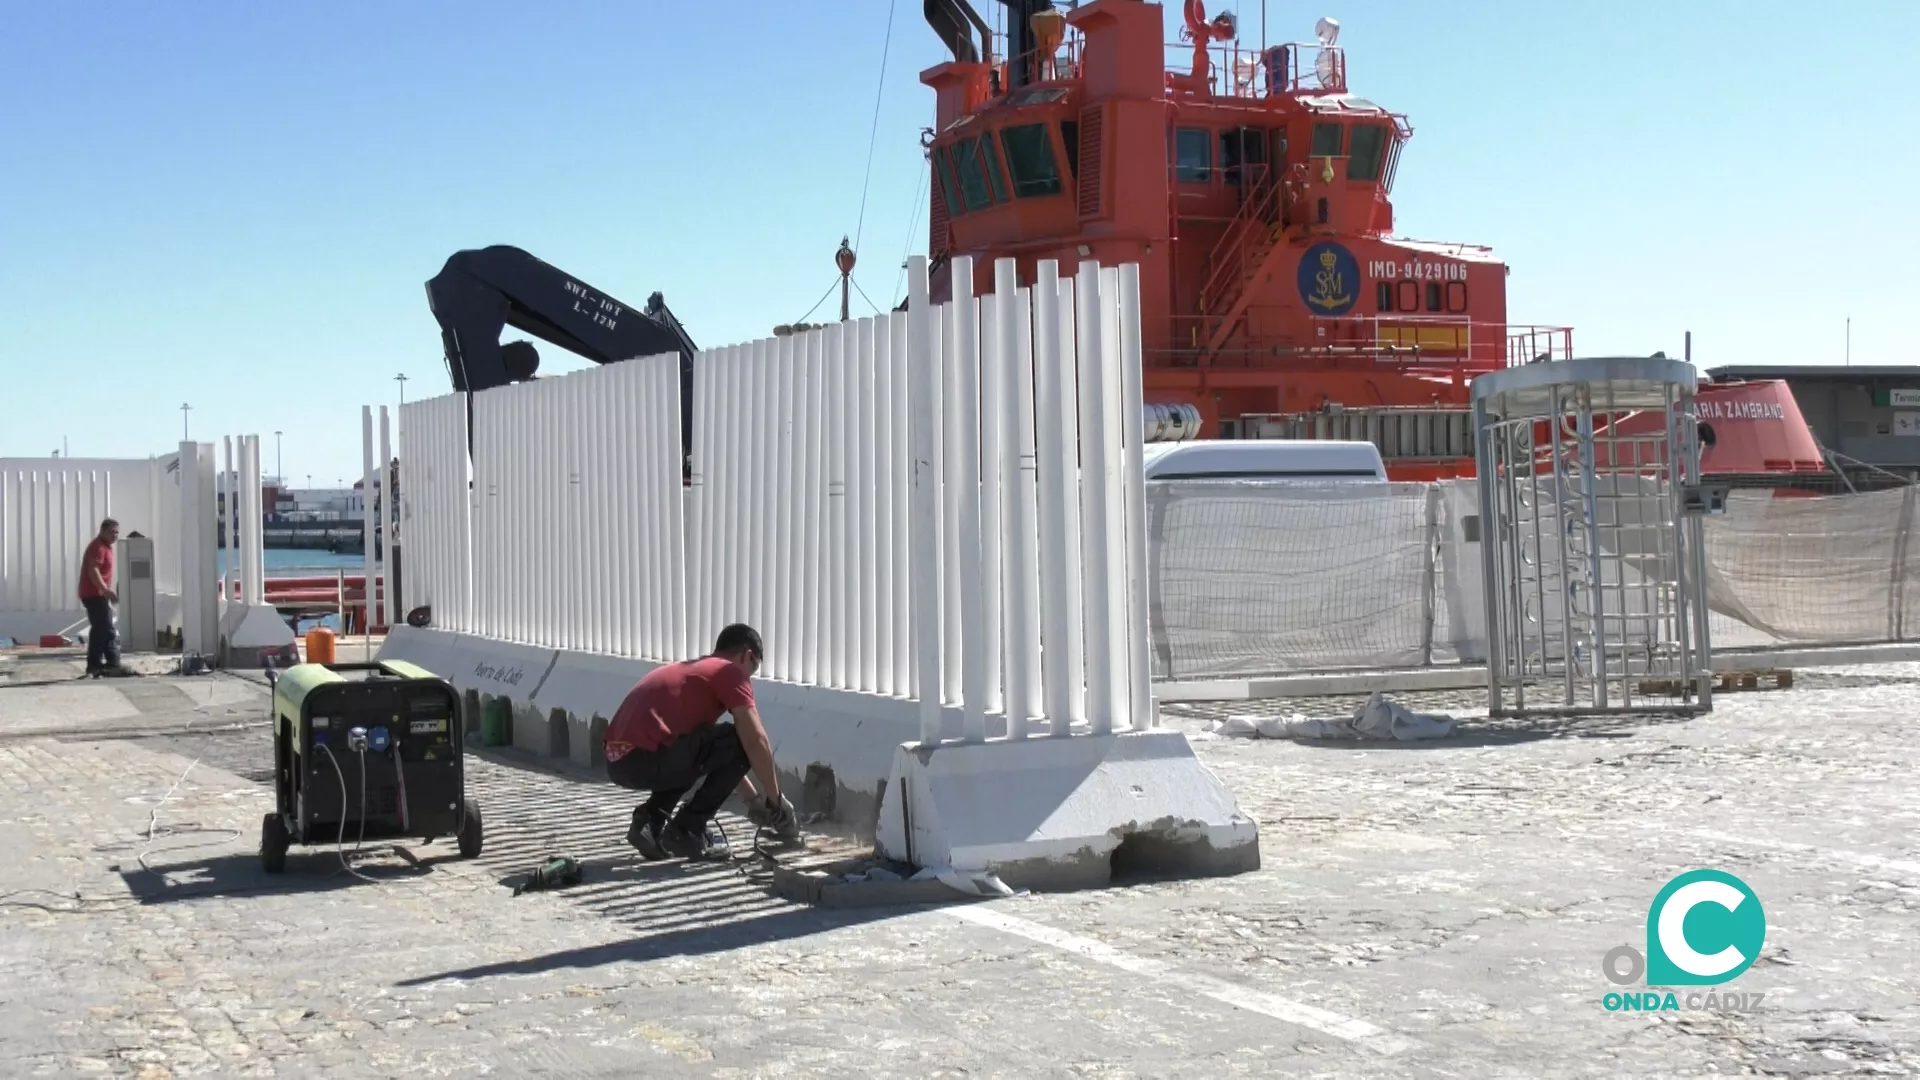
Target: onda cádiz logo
x=1704, y=928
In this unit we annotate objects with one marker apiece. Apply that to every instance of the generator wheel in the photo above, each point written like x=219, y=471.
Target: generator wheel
x=471, y=832
x=273, y=843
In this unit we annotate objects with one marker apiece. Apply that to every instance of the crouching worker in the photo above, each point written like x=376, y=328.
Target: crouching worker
x=667, y=739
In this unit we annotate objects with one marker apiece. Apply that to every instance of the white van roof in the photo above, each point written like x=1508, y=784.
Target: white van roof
x=1301, y=459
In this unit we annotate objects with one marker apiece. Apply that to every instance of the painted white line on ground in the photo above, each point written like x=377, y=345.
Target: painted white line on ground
x=1860, y=858
x=1354, y=1031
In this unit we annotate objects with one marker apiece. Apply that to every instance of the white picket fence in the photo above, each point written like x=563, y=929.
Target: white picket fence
x=50, y=508
x=897, y=503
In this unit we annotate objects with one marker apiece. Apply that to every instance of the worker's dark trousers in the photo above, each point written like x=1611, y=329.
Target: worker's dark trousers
x=713, y=752
x=103, y=646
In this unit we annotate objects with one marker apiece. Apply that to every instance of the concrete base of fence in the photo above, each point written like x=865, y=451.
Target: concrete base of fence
x=1061, y=813
x=834, y=748
x=246, y=630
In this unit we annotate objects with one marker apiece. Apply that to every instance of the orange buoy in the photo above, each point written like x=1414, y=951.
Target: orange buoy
x=319, y=645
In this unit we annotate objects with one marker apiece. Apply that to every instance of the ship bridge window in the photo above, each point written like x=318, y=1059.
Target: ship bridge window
x=949, y=189
x=1369, y=153
x=1242, y=147
x=990, y=156
x=1030, y=160
x=1037, y=96
x=965, y=157
x=1327, y=141
x=1192, y=155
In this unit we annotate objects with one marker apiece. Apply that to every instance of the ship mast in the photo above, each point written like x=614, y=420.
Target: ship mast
x=844, y=260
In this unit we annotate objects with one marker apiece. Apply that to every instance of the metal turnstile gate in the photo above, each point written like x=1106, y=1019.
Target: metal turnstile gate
x=1591, y=537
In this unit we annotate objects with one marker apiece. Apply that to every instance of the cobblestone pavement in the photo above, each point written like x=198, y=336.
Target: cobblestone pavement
x=1424, y=910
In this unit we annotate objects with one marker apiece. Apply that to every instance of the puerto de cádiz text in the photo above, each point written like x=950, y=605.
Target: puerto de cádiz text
x=501, y=675
x=602, y=311
x=1416, y=270
x=1668, y=1001
x=1708, y=409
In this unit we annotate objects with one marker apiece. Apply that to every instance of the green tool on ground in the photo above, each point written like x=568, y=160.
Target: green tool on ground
x=559, y=871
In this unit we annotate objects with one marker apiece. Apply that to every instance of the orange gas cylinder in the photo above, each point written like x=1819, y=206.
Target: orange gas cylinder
x=319, y=645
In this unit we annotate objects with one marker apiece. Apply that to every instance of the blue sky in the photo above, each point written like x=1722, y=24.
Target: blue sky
x=236, y=205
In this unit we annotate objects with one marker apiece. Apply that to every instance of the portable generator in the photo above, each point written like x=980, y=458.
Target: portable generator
x=372, y=751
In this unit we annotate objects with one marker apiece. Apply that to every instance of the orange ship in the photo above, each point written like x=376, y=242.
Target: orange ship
x=1253, y=190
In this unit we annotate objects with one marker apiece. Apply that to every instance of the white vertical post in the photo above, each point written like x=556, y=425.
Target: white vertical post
x=651, y=504
x=224, y=521
x=544, y=471
x=254, y=525
x=922, y=567
x=1024, y=697
x=993, y=428
x=389, y=515
x=952, y=486
x=489, y=581
x=588, y=607
x=611, y=453
x=523, y=492
x=1095, y=540
x=866, y=556
x=668, y=463
x=899, y=479
x=651, y=488
x=812, y=623
x=1133, y=479
x=1112, y=426
x=766, y=433
x=835, y=454
x=706, y=417
x=884, y=506
x=732, y=439
x=964, y=471
x=366, y=523
x=1058, y=440
x=582, y=614
x=616, y=490
x=780, y=419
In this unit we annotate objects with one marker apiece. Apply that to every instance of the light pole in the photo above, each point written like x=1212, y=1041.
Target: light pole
x=278, y=476
x=184, y=409
x=402, y=380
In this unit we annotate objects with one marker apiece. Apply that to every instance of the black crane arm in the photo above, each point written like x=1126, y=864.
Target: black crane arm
x=481, y=292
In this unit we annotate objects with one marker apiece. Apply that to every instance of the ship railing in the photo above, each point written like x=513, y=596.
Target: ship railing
x=1238, y=71
x=1042, y=65
x=1536, y=344
x=1450, y=346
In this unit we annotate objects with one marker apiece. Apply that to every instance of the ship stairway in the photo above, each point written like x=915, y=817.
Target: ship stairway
x=1242, y=255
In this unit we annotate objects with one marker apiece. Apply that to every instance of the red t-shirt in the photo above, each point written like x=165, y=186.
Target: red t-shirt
x=675, y=699
x=99, y=553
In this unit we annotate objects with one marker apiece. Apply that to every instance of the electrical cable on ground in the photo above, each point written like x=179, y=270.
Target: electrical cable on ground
x=340, y=842
x=879, y=95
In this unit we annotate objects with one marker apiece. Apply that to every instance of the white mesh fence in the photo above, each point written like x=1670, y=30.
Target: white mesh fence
x=1253, y=578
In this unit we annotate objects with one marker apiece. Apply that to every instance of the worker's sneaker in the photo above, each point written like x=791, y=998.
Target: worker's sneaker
x=689, y=845
x=644, y=835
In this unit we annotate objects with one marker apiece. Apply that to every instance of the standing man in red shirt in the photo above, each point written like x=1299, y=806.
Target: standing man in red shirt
x=98, y=597
x=666, y=738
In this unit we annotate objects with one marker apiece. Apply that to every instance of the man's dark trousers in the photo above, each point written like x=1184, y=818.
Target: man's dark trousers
x=713, y=752
x=103, y=646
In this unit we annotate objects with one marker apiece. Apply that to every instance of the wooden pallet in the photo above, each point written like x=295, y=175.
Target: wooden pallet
x=1724, y=682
